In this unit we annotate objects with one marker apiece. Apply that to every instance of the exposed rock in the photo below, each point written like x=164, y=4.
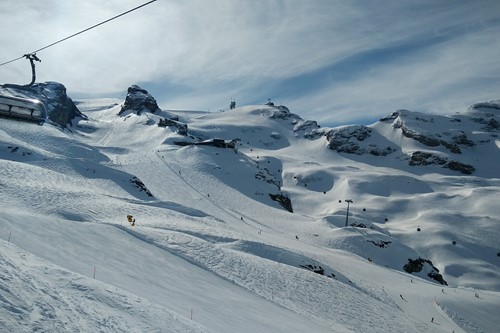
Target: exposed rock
x=266, y=176
x=140, y=185
x=424, y=158
x=219, y=143
x=344, y=139
x=60, y=108
x=486, y=105
x=378, y=151
x=438, y=277
x=316, y=269
x=307, y=125
x=183, y=143
x=382, y=244
x=460, y=167
x=349, y=140
x=452, y=147
x=138, y=100
x=462, y=139
x=282, y=112
x=392, y=116
x=315, y=133
x=283, y=200
x=417, y=265
x=458, y=138
x=182, y=128
x=490, y=125
x=427, y=140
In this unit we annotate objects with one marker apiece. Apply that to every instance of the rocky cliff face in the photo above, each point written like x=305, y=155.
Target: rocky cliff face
x=60, y=108
x=355, y=140
x=422, y=139
x=453, y=139
x=138, y=100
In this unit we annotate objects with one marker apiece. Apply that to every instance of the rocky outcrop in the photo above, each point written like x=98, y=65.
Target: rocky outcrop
x=218, y=143
x=461, y=139
x=349, y=140
x=182, y=128
x=266, y=176
x=486, y=114
x=346, y=140
x=318, y=270
x=282, y=112
x=60, y=108
x=138, y=100
x=140, y=185
x=494, y=106
x=490, y=125
x=402, y=120
x=283, y=200
x=306, y=126
x=460, y=167
x=417, y=265
x=431, y=140
x=382, y=244
x=425, y=158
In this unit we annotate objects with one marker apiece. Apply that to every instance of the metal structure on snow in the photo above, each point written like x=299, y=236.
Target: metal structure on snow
x=22, y=108
x=33, y=109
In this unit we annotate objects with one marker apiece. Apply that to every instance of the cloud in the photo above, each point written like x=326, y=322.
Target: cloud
x=442, y=78
x=332, y=60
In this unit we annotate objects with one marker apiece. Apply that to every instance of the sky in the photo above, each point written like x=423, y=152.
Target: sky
x=333, y=61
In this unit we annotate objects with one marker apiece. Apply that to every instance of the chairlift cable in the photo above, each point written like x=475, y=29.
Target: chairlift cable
x=8, y=62
x=80, y=32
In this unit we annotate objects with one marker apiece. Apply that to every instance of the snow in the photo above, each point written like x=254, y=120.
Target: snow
x=211, y=252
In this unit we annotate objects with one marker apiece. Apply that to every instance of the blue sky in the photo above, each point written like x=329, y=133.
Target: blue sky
x=333, y=61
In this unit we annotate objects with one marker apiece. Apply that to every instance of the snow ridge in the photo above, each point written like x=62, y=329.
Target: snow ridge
x=211, y=251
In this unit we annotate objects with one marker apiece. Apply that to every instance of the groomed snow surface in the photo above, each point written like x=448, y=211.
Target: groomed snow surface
x=211, y=252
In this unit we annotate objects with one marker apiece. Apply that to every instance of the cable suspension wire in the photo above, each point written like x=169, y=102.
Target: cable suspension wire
x=80, y=32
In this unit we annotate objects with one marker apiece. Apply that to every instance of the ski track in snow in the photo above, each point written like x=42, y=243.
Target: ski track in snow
x=38, y=296
x=228, y=257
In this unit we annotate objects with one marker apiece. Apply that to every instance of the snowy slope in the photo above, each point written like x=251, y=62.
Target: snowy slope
x=212, y=252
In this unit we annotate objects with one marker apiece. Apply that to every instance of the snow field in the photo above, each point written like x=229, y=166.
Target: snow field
x=211, y=241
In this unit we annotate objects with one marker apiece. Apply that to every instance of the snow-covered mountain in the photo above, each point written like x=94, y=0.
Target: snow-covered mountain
x=238, y=221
